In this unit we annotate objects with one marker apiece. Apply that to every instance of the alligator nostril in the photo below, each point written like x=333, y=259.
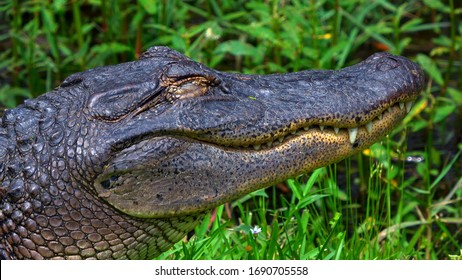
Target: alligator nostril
x=387, y=63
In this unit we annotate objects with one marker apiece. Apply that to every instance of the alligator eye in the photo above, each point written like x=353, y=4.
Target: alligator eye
x=190, y=87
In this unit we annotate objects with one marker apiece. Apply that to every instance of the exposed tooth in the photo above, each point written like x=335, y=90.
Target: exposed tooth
x=336, y=129
x=256, y=147
x=353, y=132
x=401, y=105
x=321, y=127
x=369, y=127
x=280, y=139
x=408, y=106
x=293, y=132
x=389, y=109
x=306, y=128
x=380, y=116
x=270, y=144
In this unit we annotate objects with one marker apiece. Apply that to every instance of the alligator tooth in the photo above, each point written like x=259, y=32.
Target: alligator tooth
x=256, y=147
x=270, y=144
x=389, y=109
x=293, y=132
x=306, y=128
x=321, y=127
x=353, y=132
x=408, y=106
x=380, y=116
x=280, y=139
x=369, y=127
x=336, y=129
x=401, y=105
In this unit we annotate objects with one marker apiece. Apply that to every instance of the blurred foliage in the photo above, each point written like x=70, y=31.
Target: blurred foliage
x=44, y=41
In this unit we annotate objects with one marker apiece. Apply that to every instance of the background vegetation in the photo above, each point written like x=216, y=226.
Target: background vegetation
x=401, y=199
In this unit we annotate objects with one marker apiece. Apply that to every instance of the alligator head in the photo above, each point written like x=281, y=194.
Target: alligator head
x=122, y=161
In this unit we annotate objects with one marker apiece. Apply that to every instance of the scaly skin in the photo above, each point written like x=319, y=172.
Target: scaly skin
x=122, y=161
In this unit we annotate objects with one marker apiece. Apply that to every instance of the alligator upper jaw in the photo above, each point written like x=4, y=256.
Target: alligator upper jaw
x=359, y=136
x=243, y=111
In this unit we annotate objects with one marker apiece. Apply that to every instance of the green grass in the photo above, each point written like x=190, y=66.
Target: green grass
x=320, y=221
x=401, y=199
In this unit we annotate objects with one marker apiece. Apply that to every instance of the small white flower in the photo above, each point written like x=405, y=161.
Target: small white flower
x=255, y=230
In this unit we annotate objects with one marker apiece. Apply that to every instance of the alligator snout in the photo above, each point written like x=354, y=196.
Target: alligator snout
x=406, y=68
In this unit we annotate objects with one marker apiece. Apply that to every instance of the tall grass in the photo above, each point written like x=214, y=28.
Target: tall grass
x=400, y=199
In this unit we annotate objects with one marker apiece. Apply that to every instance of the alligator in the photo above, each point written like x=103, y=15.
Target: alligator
x=122, y=161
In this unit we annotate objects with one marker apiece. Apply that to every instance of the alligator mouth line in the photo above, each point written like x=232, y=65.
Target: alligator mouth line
x=390, y=112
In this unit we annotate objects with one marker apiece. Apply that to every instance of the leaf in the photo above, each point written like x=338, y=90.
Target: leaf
x=235, y=47
x=313, y=179
x=49, y=23
x=246, y=197
x=441, y=112
x=411, y=25
x=243, y=227
x=99, y=53
x=310, y=199
x=150, y=6
x=456, y=95
x=431, y=68
x=59, y=5
x=8, y=95
x=110, y=48
x=329, y=54
x=437, y=5
x=257, y=31
x=445, y=170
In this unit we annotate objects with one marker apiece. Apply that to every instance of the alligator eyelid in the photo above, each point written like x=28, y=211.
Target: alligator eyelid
x=178, y=81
